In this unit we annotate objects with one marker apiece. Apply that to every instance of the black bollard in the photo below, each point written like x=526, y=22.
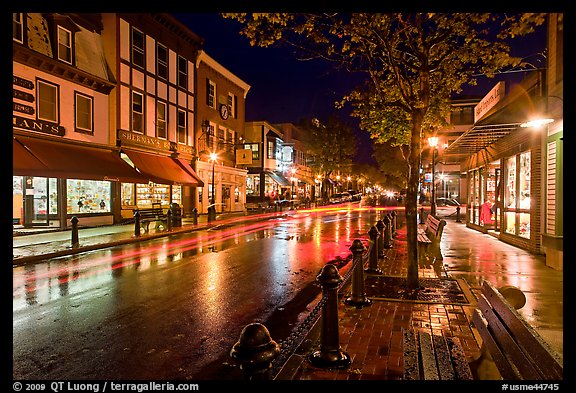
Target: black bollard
x=422, y=215
x=394, y=223
x=75, y=242
x=387, y=231
x=255, y=350
x=381, y=229
x=195, y=216
x=169, y=220
x=373, y=257
x=330, y=354
x=137, y=223
x=358, y=297
x=458, y=214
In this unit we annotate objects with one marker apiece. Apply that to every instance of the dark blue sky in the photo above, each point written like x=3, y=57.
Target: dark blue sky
x=284, y=89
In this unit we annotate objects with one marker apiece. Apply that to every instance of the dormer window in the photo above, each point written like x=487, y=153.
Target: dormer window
x=64, y=45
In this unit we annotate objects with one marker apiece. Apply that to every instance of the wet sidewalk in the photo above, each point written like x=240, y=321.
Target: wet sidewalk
x=372, y=335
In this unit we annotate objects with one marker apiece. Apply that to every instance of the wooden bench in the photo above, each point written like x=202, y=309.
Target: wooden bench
x=518, y=351
x=154, y=214
x=433, y=357
x=429, y=238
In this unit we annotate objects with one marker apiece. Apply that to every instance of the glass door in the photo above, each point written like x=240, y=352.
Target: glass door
x=36, y=201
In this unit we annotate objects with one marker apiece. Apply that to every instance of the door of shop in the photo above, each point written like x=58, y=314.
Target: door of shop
x=36, y=201
x=226, y=201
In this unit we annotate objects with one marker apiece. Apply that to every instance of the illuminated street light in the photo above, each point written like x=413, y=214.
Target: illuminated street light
x=536, y=123
x=212, y=208
x=433, y=142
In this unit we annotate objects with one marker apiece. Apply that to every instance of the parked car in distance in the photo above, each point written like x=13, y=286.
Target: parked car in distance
x=336, y=198
x=346, y=197
x=447, y=202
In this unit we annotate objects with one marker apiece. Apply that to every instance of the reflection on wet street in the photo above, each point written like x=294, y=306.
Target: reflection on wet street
x=165, y=308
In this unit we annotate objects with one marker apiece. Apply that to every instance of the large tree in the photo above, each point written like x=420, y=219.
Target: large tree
x=330, y=146
x=415, y=62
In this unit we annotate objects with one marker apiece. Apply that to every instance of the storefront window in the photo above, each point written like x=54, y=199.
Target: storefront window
x=128, y=197
x=88, y=196
x=177, y=194
x=253, y=185
x=510, y=190
x=517, y=195
x=17, y=200
x=524, y=181
x=152, y=193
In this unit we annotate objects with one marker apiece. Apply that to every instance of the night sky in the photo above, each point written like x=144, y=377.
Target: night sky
x=284, y=89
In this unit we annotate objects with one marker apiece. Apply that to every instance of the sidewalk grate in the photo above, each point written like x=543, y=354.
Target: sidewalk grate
x=432, y=290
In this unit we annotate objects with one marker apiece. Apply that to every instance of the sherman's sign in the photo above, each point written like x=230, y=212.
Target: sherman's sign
x=38, y=125
x=132, y=138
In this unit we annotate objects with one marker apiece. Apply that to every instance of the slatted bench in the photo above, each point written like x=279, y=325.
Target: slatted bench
x=518, y=351
x=154, y=214
x=429, y=238
x=433, y=357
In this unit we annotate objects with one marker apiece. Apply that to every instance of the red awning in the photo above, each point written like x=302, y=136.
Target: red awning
x=162, y=169
x=45, y=158
x=190, y=170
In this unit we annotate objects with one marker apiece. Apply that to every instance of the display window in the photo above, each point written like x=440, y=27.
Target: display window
x=128, y=195
x=153, y=193
x=517, y=195
x=88, y=196
x=253, y=185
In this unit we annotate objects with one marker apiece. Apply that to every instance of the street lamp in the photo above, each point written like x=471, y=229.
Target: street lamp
x=338, y=186
x=292, y=179
x=348, y=185
x=212, y=208
x=433, y=142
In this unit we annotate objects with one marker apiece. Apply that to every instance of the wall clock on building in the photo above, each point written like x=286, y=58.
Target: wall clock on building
x=224, y=111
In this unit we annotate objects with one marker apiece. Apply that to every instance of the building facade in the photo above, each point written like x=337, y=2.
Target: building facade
x=221, y=106
x=65, y=162
x=151, y=58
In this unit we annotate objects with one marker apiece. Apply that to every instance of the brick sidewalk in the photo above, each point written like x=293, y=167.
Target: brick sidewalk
x=372, y=335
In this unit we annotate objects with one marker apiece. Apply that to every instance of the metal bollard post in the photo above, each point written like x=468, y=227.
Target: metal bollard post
x=358, y=297
x=330, y=354
x=255, y=350
x=169, y=220
x=394, y=223
x=387, y=231
x=422, y=215
x=373, y=257
x=195, y=216
x=381, y=229
x=137, y=223
x=74, y=240
x=458, y=214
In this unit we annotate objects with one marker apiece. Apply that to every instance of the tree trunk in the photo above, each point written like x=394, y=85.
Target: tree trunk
x=412, y=203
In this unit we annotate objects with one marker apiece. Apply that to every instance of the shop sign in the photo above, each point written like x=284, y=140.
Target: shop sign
x=180, y=148
x=243, y=156
x=132, y=138
x=23, y=108
x=22, y=95
x=489, y=100
x=25, y=83
x=38, y=125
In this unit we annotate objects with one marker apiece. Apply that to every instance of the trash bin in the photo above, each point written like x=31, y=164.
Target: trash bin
x=176, y=216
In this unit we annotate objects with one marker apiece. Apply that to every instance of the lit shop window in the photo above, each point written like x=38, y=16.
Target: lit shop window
x=88, y=196
x=517, y=195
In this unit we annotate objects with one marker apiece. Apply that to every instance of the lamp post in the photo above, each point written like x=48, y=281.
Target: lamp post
x=433, y=142
x=212, y=208
x=348, y=184
x=292, y=179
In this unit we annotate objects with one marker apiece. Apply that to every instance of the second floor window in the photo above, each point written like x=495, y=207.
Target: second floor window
x=84, y=113
x=232, y=105
x=161, y=119
x=210, y=94
x=47, y=102
x=64, y=45
x=182, y=72
x=181, y=126
x=162, y=61
x=271, y=149
x=137, y=112
x=137, y=48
